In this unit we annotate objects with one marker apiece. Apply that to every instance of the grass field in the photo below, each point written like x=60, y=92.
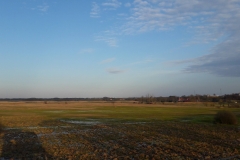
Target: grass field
x=119, y=130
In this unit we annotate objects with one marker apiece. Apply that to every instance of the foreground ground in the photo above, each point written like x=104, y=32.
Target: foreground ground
x=83, y=130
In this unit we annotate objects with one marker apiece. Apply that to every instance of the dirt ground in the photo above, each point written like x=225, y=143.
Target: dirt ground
x=47, y=131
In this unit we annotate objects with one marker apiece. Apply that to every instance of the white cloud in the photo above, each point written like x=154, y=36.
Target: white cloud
x=108, y=60
x=121, y=14
x=86, y=50
x=43, y=8
x=95, y=11
x=213, y=20
x=147, y=15
x=223, y=61
x=127, y=4
x=111, y=41
x=107, y=5
x=112, y=4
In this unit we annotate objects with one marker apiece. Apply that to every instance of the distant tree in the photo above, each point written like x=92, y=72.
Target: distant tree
x=142, y=99
x=150, y=99
x=228, y=102
x=221, y=103
x=105, y=98
x=163, y=101
x=113, y=103
x=192, y=98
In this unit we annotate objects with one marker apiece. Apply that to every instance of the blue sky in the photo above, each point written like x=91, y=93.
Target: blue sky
x=129, y=48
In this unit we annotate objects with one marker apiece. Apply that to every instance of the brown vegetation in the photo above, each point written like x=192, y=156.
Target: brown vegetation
x=98, y=130
x=225, y=117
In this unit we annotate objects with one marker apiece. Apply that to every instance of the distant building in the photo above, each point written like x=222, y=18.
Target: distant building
x=183, y=99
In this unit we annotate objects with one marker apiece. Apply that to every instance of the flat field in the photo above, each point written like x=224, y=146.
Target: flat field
x=115, y=130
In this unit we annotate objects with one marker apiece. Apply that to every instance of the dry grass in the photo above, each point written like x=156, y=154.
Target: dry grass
x=124, y=130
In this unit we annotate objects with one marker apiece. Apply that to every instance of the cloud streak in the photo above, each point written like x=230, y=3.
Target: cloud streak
x=109, y=60
x=150, y=15
x=112, y=4
x=115, y=71
x=86, y=50
x=43, y=8
x=111, y=41
x=107, y=5
x=95, y=11
x=224, y=61
x=142, y=62
x=210, y=20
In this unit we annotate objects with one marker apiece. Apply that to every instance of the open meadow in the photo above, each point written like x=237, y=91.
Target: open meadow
x=115, y=130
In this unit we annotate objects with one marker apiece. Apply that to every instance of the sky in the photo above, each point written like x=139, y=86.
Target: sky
x=113, y=48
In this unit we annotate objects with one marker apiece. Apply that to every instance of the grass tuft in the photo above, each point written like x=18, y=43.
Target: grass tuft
x=225, y=117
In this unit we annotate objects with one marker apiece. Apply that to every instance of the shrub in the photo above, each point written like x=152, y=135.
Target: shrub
x=212, y=104
x=235, y=105
x=225, y=117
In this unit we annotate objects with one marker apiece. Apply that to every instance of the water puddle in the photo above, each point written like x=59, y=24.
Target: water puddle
x=92, y=122
x=185, y=120
x=135, y=122
x=35, y=127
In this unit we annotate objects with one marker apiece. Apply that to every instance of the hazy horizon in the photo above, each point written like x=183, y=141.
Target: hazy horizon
x=115, y=48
